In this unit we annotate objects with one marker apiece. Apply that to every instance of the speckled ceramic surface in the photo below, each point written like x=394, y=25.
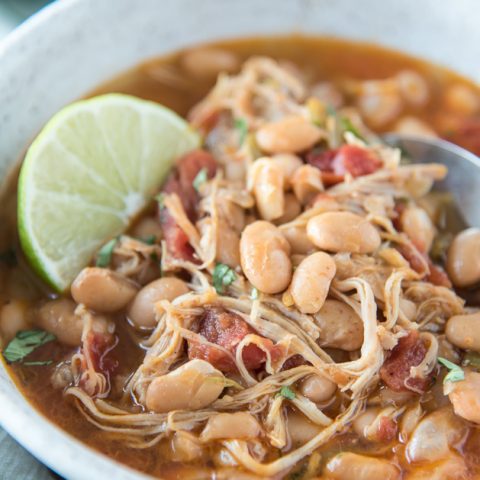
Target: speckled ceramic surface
x=73, y=45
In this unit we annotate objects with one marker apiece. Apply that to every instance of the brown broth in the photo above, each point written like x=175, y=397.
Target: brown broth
x=322, y=59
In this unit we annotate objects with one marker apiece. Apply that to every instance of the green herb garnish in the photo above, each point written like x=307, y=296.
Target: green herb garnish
x=150, y=240
x=200, y=179
x=25, y=343
x=456, y=374
x=38, y=364
x=287, y=393
x=472, y=359
x=254, y=294
x=241, y=125
x=223, y=276
x=104, y=255
x=348, y=126
x=331, y=110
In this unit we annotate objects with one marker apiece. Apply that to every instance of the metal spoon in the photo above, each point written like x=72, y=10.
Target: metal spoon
x=463, y=179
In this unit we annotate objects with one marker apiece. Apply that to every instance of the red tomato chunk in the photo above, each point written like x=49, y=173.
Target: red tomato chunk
x=226, y=329
x=395, y=372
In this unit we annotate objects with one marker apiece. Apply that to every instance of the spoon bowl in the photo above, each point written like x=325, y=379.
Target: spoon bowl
x=463, y=179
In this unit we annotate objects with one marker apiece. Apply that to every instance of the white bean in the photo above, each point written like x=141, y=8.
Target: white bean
x=348, y=466
x=317, y=388
x=291, y=211
x=340, y=326
x=311, y=282
x=289, y=164
x=58, y=317
x=413, y=87
x=142, y=309
x=208, y=62
x=13, y=319
x=242, y=425
x=102, y=290
x=380, y=101
x=463, y=258
x=462, y=99
x=307, y=183
x=194, y=385
x=267, y=178
x=298, y=240
x=291, y=134
x=465, y=397
x=300, y=428
x=265, y=257
x=464, y=331
x=343, y=232
x=418, y=227
x=434, y=435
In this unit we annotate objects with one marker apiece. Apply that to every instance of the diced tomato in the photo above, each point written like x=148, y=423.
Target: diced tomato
x=387, y=429
x=294, y=361
x=352, y=159
x=100, y=346
x=180, y=182
x=175, y=238
x=226, y=329
x=395, y=372
x=322, y=159
x=188, y=168
x=356, y=160
x=437, y=275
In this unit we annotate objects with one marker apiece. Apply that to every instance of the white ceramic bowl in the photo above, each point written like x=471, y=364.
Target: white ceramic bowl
x=73, y=45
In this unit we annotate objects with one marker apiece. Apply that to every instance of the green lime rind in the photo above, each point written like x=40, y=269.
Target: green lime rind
x=93, y=167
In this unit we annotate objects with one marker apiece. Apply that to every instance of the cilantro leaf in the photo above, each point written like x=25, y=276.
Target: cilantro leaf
x=348, y=126
x=241, y=125
x=38, y=363
x=223, y=276
x=25, y=343
x=287, y=393
x=104, y=255
x=200, y=179
x=150, y=240
x=456, y=374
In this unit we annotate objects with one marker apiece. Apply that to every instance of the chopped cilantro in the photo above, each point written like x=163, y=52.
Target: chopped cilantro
x=223, y=276
x=287, y=393
x=25, y=343
x=150, y=240
x=331, y=110
x=348, y=126
x=200, y=179
x=241, y=125
x=104, y=255
x=455, y=374
x=38, y=364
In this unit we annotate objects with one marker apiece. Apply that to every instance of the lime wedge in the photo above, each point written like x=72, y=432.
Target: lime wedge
x=92, y=168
